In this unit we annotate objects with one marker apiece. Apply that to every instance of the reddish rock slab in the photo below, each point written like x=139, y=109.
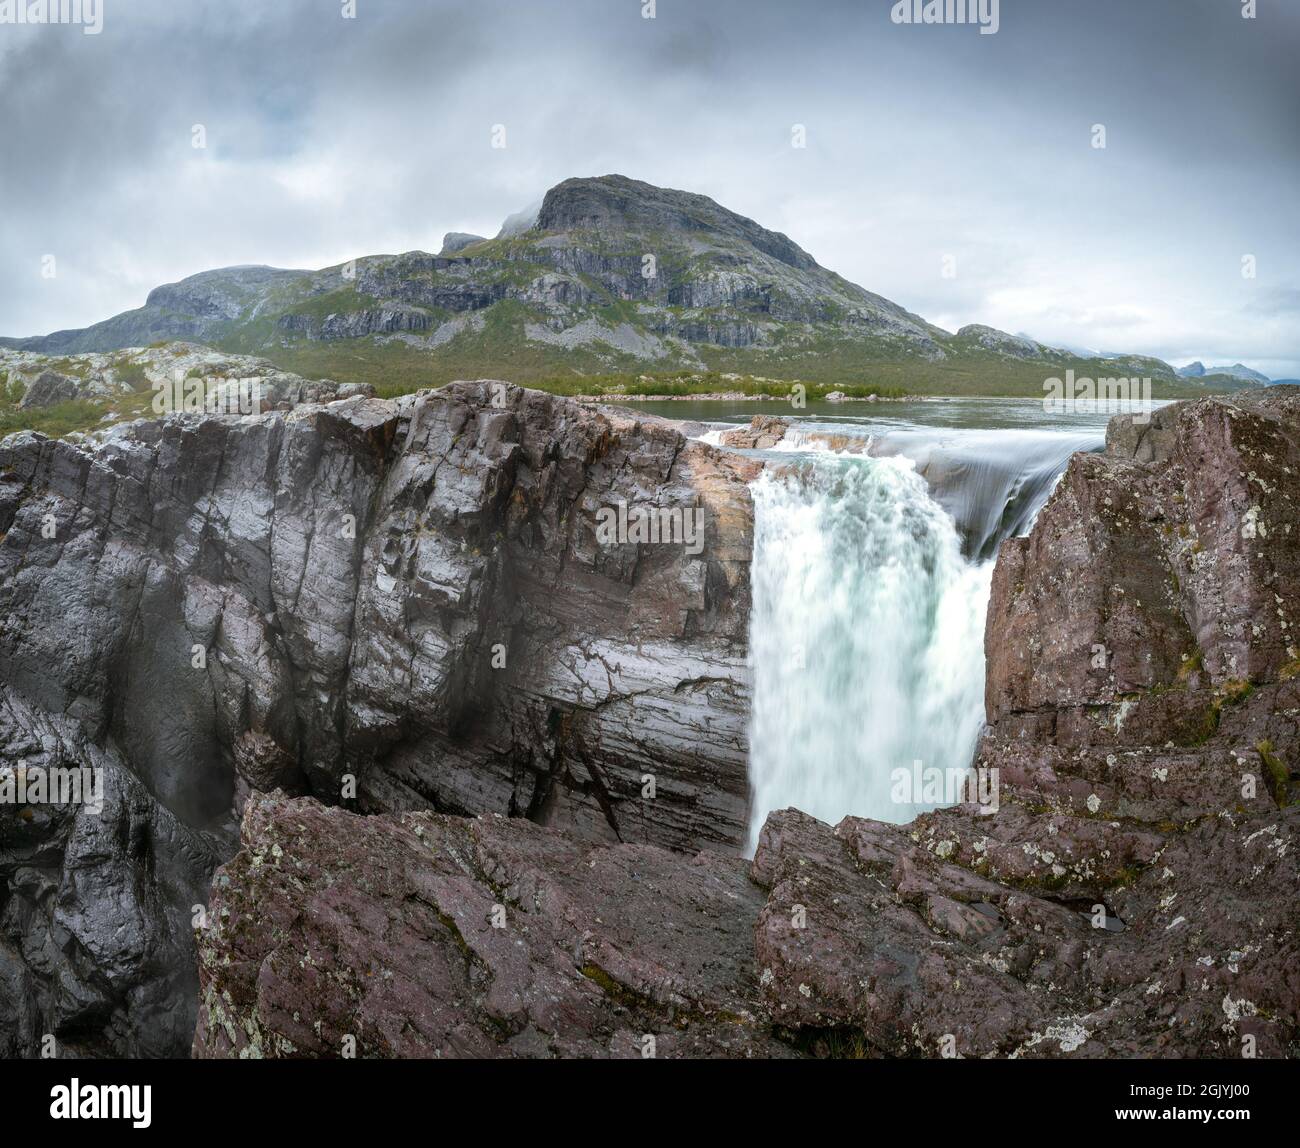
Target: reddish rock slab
x=422, y=935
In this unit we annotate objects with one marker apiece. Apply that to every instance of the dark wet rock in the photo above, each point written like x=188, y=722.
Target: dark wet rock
x=398, y=604
x=96, y=941
x=409, y=592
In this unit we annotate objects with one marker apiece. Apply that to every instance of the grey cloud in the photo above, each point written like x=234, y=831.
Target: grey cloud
x=330, y=138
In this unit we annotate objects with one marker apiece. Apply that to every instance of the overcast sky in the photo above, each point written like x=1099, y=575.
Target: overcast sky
x=329, y=138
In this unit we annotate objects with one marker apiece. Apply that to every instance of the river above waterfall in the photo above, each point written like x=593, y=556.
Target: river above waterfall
x=876, y=528
x=952, y=412
x=989, y=462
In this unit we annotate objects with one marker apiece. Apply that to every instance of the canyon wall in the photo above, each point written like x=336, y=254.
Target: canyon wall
x=390, y=605
x=356, y=623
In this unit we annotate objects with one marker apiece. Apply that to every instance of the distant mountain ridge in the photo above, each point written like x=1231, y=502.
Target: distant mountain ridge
x=1199, y=370
x=607, y=275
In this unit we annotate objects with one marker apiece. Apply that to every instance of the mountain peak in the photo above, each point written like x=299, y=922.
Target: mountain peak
x=616, y=203
x=1239, y=371
x=567, y=287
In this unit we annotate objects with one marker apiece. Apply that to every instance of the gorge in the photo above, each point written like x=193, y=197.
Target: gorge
x=447, y=853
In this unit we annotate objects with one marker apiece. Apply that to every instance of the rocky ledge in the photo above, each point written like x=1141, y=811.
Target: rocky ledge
x=1133, y=893
x=424, y=935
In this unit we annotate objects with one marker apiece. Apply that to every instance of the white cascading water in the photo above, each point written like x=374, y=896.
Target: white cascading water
x=866, y=640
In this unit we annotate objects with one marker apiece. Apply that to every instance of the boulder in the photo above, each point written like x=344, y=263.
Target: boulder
x=763, y=433
x=47, y=389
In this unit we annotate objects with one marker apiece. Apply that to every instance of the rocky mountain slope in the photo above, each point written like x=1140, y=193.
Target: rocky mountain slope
x=610, y=275
x=30, y=380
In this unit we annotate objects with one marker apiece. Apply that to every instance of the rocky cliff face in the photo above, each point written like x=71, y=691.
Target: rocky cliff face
x=391, y=604
x=397, y=613
x=1133, y=893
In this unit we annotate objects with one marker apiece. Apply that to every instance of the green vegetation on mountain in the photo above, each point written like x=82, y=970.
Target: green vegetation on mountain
x=617, y=287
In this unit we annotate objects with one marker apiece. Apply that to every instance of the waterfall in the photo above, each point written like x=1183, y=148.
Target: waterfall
x=873, y=558
x=866, y=638
x=993, y=483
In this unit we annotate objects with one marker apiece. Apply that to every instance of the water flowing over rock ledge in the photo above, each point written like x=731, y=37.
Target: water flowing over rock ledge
x=1132, y=896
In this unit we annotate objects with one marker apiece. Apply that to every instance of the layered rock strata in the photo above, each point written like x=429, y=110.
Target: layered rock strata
x=393, y=605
